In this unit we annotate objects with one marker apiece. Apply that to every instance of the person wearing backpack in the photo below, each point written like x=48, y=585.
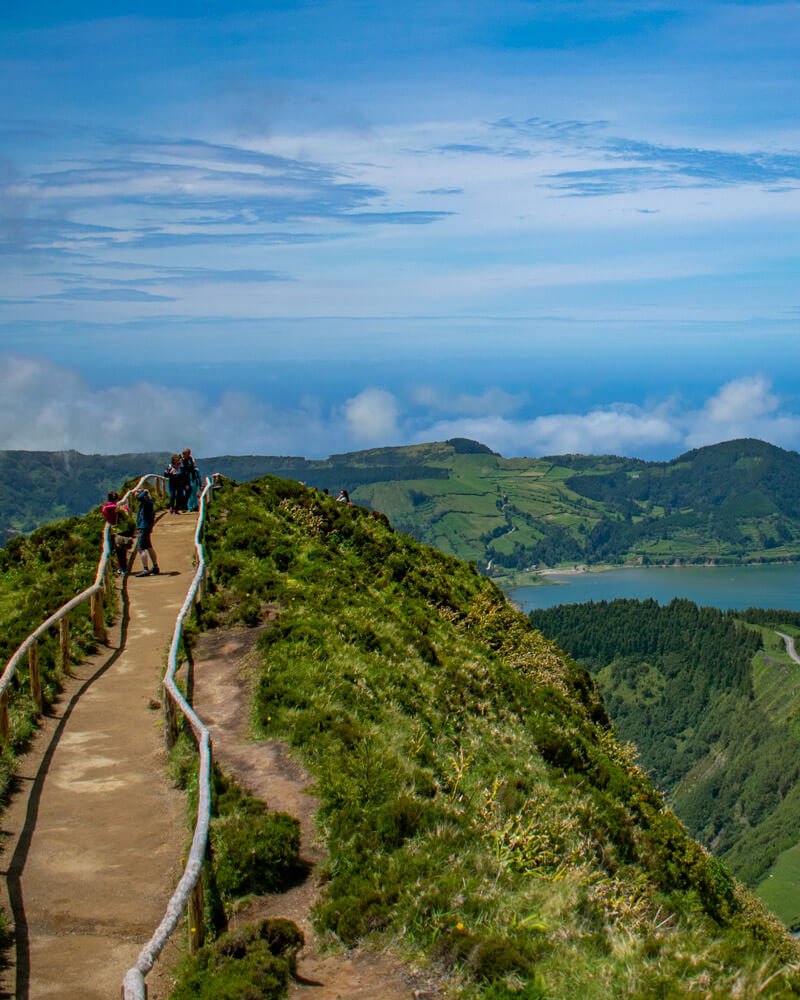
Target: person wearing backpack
x=145, y=519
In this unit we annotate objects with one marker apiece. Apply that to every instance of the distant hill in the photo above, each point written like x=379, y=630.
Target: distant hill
x=733, y=502
x=41, y=486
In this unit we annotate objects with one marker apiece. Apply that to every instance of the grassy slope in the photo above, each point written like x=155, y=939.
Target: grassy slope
x=480, y=812
x=38, y=574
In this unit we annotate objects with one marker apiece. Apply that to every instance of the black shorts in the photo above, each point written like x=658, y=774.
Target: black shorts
x=143, y=540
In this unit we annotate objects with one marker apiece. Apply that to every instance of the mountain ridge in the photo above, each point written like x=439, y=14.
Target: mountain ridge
x=732, y=502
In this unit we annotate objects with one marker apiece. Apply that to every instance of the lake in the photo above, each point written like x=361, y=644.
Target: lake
x=718, y=586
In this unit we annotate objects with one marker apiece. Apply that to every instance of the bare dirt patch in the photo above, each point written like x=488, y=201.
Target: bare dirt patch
x=224, y=664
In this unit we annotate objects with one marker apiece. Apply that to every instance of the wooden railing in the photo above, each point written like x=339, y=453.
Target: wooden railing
x=189, y=891
x=189, y=888
x=94, y=595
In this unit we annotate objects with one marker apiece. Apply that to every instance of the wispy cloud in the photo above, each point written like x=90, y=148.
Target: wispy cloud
x=634, y=165
x=107, y=295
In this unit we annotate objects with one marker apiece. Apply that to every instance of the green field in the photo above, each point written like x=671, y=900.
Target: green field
x=780, y=889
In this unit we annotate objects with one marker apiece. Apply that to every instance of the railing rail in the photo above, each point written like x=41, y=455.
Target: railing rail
x=90, y=594
x=189, y=888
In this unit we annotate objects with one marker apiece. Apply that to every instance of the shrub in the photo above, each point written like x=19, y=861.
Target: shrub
x=353, y=917
x=397, y=820
x=251, y=963
x=250, y=611
x=255, y=854
x=497, y=956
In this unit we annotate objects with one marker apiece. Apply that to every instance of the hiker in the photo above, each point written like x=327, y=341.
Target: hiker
x=344, y=497
x=122, y=528
x=124, y=537
x=145, y=519
x=173, y=474
x=192, y=478
x=111, y=515
x=187, y=466
x=110, y=508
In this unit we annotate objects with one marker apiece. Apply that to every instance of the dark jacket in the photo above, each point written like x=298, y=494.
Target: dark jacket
x=146, y=515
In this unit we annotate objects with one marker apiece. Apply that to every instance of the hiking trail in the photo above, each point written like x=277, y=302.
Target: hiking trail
x=94, y=834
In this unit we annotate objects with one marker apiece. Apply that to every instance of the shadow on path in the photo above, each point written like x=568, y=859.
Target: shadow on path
x=17, y=864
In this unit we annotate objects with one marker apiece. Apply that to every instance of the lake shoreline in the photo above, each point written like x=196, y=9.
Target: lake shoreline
x=731, y=586
x=541, y=577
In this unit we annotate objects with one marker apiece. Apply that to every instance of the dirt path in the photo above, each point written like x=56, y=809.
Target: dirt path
x=223, y=676
x=95, y=832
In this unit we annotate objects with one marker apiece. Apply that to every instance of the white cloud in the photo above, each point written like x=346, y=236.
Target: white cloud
x=50, y=408
x=372, y=416
x=47, y=407
x=616, y=430
x=745, y=407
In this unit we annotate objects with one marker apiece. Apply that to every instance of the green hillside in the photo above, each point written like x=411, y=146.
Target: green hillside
x=483, y=820
x=712, y=703
x=727, y=503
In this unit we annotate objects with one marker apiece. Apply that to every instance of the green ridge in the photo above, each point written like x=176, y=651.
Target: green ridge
x=482, y=816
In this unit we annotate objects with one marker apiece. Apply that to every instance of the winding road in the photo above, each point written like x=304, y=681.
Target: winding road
x=789, y=643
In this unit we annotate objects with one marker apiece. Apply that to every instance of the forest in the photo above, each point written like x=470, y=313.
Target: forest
x=693, y=689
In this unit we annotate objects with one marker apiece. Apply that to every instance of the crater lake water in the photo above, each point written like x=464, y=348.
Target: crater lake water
x=722, y=587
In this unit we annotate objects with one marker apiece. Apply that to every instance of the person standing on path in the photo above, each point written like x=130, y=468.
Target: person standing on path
x=122, y=530
x=174, y=481
x=145, y=519
x=190, y=477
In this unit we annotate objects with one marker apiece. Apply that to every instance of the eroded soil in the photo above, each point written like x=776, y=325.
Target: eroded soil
x=223, y=670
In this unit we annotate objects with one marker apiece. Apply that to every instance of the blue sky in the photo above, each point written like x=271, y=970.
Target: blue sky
x=308, y=227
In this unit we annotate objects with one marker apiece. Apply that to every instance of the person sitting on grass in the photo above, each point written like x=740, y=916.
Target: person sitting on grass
x=145, y=519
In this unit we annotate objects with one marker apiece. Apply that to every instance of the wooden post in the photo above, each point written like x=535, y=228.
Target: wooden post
x=96, y=611
x=170, y=720
x=63, y=635
x=4, y=718
x=36, y=683
x=109, y=576
x=197, y=923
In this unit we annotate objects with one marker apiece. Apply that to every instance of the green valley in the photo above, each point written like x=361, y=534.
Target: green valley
x=728, y=503
x=712, y=703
